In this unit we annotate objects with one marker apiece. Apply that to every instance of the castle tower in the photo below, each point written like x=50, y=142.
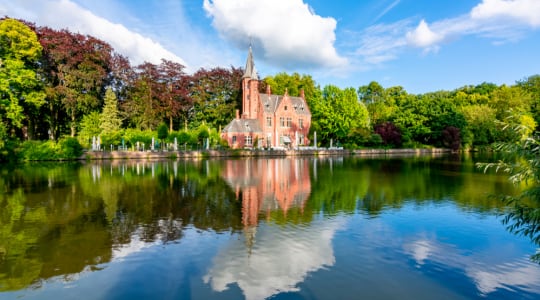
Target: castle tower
x=250, y=89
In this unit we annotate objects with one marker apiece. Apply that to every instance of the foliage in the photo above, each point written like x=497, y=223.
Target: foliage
x=21, y=92
x=389, y=133
x=66, y=148
x=90, y=127
x=162, y=133
x=113, y=138
x=481, y=124
x=215, y=94
x=134, y=136
x=70, y=148
x=336, y=113
x=451, y=138
x=76, y=69
x=110, y=119
x=532, y=85
x=522, y=164
x=293, y=84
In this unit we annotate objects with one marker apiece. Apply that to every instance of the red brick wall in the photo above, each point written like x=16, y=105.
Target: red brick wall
x=286, y=110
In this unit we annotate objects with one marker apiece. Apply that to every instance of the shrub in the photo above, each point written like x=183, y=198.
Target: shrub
x=66, y=148
x=451, y=138
x=70, y=148
x=390, y=134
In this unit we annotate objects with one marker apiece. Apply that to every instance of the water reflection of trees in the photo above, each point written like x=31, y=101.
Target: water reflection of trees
x=65, y=219
x=373, y=185
x=58, y=219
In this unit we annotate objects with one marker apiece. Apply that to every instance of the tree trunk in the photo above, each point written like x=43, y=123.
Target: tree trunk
x=73, y=124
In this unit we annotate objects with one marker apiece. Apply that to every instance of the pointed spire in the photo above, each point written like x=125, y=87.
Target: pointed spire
x=250, y=71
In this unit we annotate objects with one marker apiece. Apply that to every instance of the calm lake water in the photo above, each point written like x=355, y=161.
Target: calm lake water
x=284, y=228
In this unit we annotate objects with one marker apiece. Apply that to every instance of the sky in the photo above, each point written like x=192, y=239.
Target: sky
x=421, y=45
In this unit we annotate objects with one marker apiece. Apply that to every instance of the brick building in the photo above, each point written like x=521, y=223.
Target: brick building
x=267, y=121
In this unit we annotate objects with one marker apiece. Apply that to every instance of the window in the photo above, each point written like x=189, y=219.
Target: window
x=282, y=121
x=234, y=139
x=301, y=123
x=269, y=121
x=285, y=107
x=289, y=122
x=248, y=140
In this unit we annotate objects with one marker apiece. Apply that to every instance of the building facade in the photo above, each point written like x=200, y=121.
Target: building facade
x=267, y=120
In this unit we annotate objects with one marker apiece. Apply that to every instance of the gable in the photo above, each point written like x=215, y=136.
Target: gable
x=272, y=103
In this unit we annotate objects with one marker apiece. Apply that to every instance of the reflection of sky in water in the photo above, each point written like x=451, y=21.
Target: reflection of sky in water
x=441, y=238
x=279, y=260
x=427, y=251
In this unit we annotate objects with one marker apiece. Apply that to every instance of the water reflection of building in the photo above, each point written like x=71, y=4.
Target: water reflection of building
x=267, y=185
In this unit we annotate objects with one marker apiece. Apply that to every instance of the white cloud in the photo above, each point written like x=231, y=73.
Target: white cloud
x=423, y=36
x=288, y=31
x=501, y=21
x=518, y=11
x=381, y=43
x=498, y=19
x=386, y=10
x=60, y=14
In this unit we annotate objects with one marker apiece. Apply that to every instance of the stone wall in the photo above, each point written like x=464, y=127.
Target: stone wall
x=257, y=153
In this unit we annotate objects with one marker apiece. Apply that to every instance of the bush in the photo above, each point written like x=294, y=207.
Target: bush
x=70, y=148
x=375, y=140
x=38, y=150
x=451, y=138
x=66, y=148
x=390, y=134
x=111, y=138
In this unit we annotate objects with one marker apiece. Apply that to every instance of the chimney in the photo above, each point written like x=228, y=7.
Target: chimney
x=237, y=114
x=302, y=95
x=268, y=90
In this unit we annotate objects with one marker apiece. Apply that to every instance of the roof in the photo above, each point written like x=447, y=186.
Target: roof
x=270, y=103
x=250, y=70
x=243, y=126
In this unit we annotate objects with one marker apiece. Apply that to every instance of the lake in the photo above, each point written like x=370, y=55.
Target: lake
x=281, y=228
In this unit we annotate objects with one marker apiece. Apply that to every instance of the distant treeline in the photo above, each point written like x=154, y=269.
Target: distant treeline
x=56, y=84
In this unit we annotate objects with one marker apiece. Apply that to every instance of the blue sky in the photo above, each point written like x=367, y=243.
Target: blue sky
x=421, y=45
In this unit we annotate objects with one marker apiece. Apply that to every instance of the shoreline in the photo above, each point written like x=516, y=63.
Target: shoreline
x=151, y=155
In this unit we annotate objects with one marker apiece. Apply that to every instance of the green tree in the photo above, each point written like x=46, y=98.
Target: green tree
x=506, y=97
x=337, y=113
x=90, y=127
x=532, y=85
x=21, y=91
x=162, y=133
x=110, y=119
x=481, y=124
x=142, y=108
x=411, y=118
x=293, y=84
x=215, y=94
